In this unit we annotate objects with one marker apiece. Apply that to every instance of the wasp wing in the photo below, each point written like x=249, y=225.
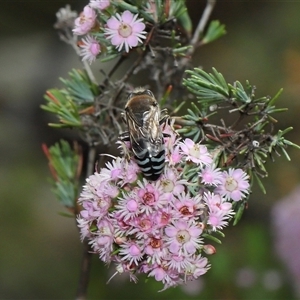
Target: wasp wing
x=144, y=136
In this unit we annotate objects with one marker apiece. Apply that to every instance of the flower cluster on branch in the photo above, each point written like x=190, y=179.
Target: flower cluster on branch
x=161, y=227
x=158, y=227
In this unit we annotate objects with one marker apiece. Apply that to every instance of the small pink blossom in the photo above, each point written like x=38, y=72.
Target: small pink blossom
x=125, y=31
x=211, y=175
x=113, y=170
x=128, y=207
x=131, y=252
x=90, y=48
x=163, y=216
x=130, y=172
x=151, y=196
x=195, y=152
x=180, y=263
x=188, y=207
x=183, y=237
x=171, y=184
x=216, y=203
x=85, y=22
x=218, y=220
x=155, y=249
x=199, y=266
x=158, y=273
x=235, y=184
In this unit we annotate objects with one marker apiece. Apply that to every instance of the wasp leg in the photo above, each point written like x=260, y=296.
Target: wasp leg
x=164, y=119
x=125, y=137
x=123, y=118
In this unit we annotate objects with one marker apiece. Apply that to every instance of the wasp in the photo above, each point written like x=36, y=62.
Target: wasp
x=143, y=118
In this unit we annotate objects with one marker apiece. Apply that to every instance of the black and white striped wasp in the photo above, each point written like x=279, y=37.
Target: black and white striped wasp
x=143, y=118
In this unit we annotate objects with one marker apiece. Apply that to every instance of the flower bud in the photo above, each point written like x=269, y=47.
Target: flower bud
x=209, y=249
x=120, y=240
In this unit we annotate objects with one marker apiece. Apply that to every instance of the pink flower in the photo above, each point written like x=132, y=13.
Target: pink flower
x=130, y=172
x=128, y=207
x=217, y=220
x=211, y=175
x=113, y=170
x=195, y=152
x=216, y=203
x=199, y=266
x=125, y=31
x=158, y=273
x=235, y=184
x=155, y=249
x=102, y=242
x=99, y=4
x=131, y=252
x=151, y=196
x=84, y=227
x=85, y=22
x=180, y=263
x=188, y=207
x=171, y=184
x=90, y=48
x=183, y=237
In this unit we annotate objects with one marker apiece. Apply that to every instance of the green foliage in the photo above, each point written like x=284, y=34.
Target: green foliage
x=209, y=87
x=68, y=103
x=65, y=166
x=215, y=30
x=248, y=140
x=80, y=88
x=63, y=107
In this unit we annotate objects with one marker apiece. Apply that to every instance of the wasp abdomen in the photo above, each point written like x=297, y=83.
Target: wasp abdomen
x=151, y=166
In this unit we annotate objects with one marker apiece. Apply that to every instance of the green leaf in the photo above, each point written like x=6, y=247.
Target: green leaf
x=63, y=107
x=206, y=86
x=80, y=88
x=65, y=166
x=215, y=30
x=210, y=237
x=260, y=184
x=239, y=213
x=184, y=19
x=272, y=101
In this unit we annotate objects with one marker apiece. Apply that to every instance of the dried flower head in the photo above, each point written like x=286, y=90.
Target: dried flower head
x=65, y=18
x=99, y=4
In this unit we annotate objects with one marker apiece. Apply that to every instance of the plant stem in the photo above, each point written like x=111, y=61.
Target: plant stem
x=85, y=267
x=81, y=293
x=200, y=28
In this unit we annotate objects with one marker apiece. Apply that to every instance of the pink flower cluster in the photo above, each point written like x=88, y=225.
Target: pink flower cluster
x=156, y=227
x=124, y=31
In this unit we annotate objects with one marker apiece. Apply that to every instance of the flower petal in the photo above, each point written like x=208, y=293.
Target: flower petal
x=117, y=39
x=127, y=17
x=138, y=27
x=113, y=23
x=132, y=41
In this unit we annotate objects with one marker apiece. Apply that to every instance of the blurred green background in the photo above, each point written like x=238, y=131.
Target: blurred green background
x=40, y=250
